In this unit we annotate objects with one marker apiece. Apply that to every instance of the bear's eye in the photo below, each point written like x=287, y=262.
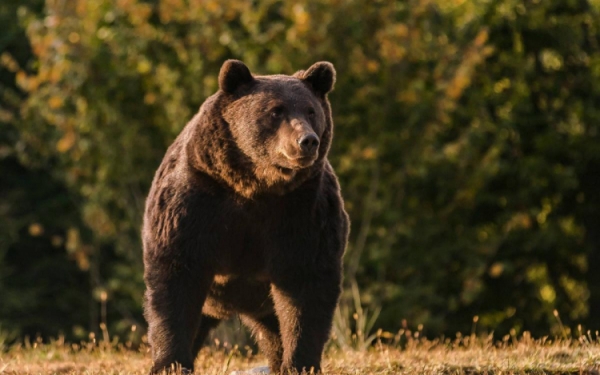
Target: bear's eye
x=311, y=112
x=277, y=112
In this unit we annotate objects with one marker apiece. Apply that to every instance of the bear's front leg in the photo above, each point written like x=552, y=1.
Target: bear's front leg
x=305, y=304
x=173, y=309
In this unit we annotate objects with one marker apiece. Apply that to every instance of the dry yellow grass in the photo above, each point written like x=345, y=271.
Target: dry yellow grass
x=466, y=355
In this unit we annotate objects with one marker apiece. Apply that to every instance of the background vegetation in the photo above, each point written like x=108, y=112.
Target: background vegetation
x=467, y=145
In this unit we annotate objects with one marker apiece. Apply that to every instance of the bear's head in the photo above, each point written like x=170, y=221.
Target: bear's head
x=279, y=127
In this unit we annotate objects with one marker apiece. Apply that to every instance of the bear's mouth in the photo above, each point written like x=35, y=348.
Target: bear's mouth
x=301, y=162
x=288, y=165
x=305, y=161
x=284, y=170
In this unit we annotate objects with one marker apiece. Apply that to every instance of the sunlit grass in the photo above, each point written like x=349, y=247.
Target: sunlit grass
x=402, y=353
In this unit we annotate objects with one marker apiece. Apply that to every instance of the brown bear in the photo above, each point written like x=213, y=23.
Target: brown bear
x=245, y=216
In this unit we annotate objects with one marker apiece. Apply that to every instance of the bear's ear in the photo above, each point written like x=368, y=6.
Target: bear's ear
x=233, y=74
x=320, y=76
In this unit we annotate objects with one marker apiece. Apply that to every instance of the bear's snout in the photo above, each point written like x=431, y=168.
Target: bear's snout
x=309, y=143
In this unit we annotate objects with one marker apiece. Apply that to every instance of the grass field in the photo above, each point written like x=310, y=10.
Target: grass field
x=463, y=355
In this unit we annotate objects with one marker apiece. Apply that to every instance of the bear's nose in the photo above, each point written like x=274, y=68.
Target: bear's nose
x=309, y=143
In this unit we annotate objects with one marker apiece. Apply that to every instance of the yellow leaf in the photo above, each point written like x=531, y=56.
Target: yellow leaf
x=369, y=153
x=496, y=269
x=66, y=142
x=21, y=79
x=372, y=66
x=481, y=38
x=36, y=229
x=55, y=102
x=143, y=66
x=149, y=98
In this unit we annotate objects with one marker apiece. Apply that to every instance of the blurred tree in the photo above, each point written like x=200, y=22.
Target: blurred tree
x=537, y=124
x=38, y=281
x=492, y=187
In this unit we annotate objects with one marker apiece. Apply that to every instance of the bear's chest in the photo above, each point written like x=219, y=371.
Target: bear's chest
x=244, y=239
x=241, y=237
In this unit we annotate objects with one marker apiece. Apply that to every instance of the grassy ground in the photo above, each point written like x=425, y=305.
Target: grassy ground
x=466, y=355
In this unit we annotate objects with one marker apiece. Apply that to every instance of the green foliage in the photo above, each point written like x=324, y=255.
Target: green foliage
x=466, y=143
x=36, y=276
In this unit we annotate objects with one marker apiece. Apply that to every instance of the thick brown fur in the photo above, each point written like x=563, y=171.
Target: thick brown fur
x=245, y=217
